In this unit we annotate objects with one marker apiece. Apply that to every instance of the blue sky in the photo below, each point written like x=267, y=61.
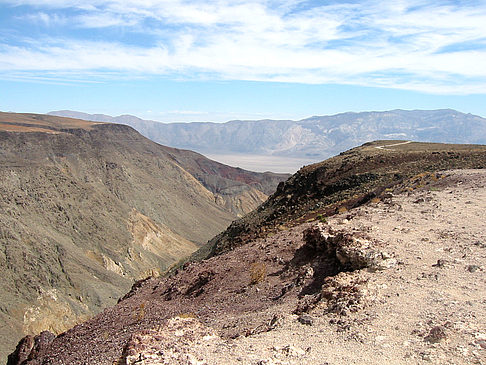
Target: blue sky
x=174, y=60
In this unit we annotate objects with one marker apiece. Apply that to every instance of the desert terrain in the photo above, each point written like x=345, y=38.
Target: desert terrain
x=398, y=280
x=88, y=208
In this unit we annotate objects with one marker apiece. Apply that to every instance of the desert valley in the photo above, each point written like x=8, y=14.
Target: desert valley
x=249, y=182
x=118, y=250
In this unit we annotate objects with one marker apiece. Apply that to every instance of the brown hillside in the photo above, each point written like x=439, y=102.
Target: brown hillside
x=399, y=280
x=16, y=122
x=86, y=209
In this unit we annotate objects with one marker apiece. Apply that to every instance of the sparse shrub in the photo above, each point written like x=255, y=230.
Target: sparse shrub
x=375, y=200
x=342, y=209
x=187, y=315
x=321, y=218
x=258, y=272
x=141, y=312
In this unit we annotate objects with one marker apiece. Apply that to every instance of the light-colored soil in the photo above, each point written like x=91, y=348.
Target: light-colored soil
x=438, y=237
x=429, y=308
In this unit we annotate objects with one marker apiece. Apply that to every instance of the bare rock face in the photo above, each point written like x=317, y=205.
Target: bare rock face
x=352, y=251
x=179, y=342
x=22, y=351
x=30, y=347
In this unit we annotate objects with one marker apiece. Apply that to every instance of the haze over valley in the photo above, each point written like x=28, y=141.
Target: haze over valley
x=285, y=145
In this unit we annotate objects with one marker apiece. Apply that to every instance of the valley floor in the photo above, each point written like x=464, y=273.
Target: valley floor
x=263, y=163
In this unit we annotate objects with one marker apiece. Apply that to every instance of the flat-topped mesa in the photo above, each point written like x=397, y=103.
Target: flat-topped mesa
x=16, y=122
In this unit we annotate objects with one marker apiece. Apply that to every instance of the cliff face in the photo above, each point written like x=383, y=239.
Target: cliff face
x=86, y=209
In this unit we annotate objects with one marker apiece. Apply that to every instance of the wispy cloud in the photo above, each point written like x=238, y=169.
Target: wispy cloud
x=411, y=44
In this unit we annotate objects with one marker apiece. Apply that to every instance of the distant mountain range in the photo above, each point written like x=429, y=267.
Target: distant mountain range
x=311, y=139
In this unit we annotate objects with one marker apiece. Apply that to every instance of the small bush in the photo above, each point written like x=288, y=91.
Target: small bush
x=141, y=312
x=321, y=218
x=186, y=315
x=342, y=209
x=258, y=272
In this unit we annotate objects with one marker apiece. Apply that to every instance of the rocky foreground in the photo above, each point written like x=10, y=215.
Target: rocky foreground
x=400, y=280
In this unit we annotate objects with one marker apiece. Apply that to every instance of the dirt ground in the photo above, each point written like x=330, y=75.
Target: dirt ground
x=269, y=301
x=429, y=308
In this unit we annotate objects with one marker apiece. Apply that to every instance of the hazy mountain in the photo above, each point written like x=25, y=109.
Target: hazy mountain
x=313, y=138
x=87, y=208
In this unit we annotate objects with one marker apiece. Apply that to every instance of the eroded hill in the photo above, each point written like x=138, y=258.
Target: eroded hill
x=343, y=182
x=396, y=277
x=87, y=208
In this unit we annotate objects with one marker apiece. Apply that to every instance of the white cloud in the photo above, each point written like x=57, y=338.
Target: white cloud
x=392, y=44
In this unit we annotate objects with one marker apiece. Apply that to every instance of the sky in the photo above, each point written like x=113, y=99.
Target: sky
x=176, y=60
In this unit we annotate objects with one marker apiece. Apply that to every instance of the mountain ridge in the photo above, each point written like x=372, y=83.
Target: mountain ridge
x=311, y=139
x=373, y=256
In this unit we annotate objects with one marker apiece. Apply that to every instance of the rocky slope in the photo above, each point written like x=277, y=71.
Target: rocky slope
x=87, y=208
x=313, y=138
x=237, y=190
x=399, y=278
x=343, y=182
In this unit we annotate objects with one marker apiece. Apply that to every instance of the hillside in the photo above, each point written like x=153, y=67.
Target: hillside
x=87, y=208
x=312, y=139
x=396, y=277
x=343, y=182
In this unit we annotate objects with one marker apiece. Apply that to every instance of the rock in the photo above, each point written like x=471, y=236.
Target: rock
x=176, y=343
x=436, y=334
x=22, y=351
x=344, y=293
x=441, y=263
x=353, y=251
x=481, y=343
x=290, y=350
x=276, y=321
x=306, y=319
x=480, y=244
x=29, y=347
x=473, y=268
x=480, y=336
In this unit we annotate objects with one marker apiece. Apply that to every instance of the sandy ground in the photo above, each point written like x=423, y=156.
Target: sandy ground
x=428, y=308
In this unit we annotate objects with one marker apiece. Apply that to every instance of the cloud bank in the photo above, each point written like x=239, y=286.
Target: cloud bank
x=414, y=45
